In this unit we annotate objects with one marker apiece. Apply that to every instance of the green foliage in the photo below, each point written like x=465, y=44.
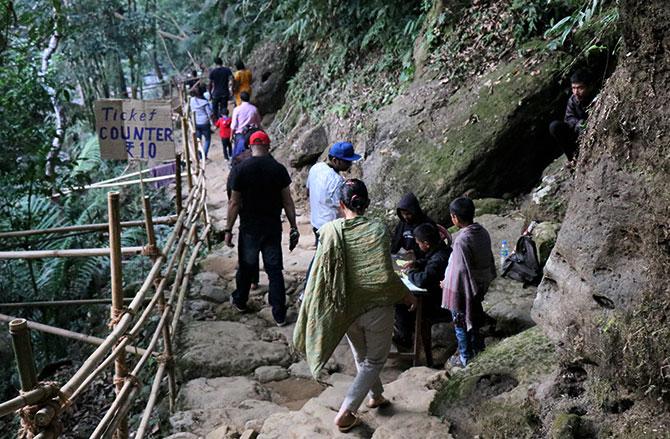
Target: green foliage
x=591, y=13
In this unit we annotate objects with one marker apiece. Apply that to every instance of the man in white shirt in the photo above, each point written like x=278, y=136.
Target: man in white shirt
x=323, y=184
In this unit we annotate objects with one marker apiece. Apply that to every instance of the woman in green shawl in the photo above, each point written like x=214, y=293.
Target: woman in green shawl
x=351, y=289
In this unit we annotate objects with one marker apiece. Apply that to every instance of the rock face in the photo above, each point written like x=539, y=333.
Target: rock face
x=605, y=293
x=222, y=348
x=308, y=147
x=441, y=144
x=272, y=65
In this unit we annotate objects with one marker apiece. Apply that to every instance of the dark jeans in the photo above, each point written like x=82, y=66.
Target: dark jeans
x=227, y=148
x=565, y=137
x=249, y=245
x=206, y=132
x=470, y=343
x=218, y=104
x=403, y=327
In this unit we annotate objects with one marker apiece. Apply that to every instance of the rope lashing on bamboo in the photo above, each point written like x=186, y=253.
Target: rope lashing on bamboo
x=117, y=315
x=31, y=424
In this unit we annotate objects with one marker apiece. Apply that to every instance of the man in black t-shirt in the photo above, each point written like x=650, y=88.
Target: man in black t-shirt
x=219, y=86
x=260, y=190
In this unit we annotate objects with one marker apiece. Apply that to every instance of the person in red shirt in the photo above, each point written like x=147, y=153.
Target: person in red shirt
x=223, y=124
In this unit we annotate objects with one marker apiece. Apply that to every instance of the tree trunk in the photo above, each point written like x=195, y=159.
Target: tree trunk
x=605, y=295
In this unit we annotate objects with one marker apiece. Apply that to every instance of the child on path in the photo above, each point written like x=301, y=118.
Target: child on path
x=469, y=274
x=427, y=273
x=223, y=124
x=410, y=215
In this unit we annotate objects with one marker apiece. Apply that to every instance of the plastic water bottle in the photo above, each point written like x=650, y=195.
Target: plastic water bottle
x=504, y=252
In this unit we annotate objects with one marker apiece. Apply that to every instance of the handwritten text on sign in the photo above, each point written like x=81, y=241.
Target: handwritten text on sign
x=133, y=129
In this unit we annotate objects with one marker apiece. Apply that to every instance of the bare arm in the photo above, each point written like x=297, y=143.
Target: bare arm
x=289, y=206
x=233, y=212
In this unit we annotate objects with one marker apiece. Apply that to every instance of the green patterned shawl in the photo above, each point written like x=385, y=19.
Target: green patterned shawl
x=352, y=273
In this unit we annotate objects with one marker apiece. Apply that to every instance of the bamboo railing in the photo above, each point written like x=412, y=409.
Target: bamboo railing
x=162, y=293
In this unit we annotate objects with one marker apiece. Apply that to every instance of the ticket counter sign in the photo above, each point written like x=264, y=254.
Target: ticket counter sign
x=130, y=129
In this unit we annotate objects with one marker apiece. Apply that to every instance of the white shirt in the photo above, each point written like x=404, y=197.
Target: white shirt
x=323, y=184
x=202, y=110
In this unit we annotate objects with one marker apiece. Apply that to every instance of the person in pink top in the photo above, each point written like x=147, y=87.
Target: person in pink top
x=244, y=115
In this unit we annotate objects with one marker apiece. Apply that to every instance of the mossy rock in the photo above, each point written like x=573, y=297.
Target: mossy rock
x=544, y=235
x=489, y=137
x=493, y=206
x=566, y=426
x=491, y=393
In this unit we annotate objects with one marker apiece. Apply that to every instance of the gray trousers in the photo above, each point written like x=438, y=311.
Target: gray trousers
x=370, y=340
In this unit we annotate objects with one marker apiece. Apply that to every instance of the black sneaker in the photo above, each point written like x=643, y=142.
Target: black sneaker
x=237, y=307
x=282, y=323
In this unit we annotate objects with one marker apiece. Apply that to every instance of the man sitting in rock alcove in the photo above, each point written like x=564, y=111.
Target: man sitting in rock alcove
x=566, y=132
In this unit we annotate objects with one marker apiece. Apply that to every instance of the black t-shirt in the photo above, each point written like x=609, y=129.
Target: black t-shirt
x=260, y=181
x=220, y=76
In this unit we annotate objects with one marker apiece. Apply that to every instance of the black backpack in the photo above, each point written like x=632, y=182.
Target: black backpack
x=247, y=131
x=523, y=265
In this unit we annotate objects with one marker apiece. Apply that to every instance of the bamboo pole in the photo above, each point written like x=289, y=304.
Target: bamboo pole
x=117, y=184
x=163, y=321
x=28, y=398
x=23, y=353
x=71, y=253
x=88, y=369
x=167, y=343
x=99, y=227
x=85, y=371
x=120, y=369
x=73, y=302
x=196, y=152
x=187, y=151
x=177, y=167
x=151, y=402
x=128, y=385
x=68, y=334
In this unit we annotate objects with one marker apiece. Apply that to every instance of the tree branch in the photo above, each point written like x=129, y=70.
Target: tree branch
x=48, y=52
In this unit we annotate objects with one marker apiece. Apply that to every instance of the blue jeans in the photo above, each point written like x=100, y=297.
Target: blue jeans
x=249, y=245
x=470, y=343
x=204, y=130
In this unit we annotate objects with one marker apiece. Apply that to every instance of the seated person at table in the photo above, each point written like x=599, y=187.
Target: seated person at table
x=425, y=272
x=410, y=214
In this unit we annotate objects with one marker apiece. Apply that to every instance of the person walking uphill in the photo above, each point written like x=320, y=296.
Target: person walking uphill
x=324, y=181
x=241, y=81
x=202, y=115
x=351, y=289
x=219, y=86
x=467, y=278
x=260, y=189
x=244, y=116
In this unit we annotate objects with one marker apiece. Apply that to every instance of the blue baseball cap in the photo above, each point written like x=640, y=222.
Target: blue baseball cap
x=344, y=151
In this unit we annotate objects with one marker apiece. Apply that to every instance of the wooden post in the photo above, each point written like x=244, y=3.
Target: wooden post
x=167, y=339
x=23, y=352
x=177, y=181
x=120, y=369
x=187, y=151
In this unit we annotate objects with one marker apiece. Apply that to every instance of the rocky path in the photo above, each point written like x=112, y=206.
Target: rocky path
x=239, y=377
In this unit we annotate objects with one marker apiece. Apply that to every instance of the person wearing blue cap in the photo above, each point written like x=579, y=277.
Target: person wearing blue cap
x=323, y=184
